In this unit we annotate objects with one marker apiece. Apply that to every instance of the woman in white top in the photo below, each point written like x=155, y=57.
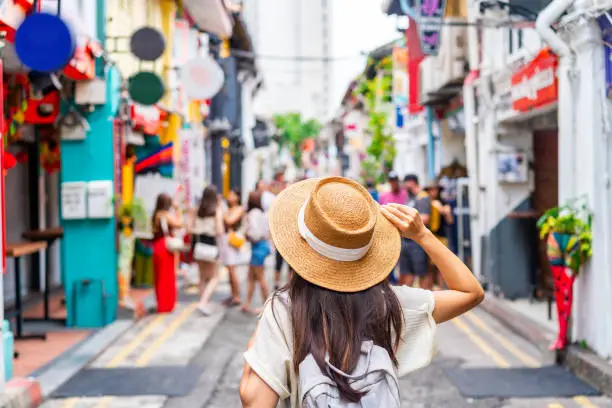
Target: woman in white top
x=342, y=246
x=257, y=234
x=207, y=229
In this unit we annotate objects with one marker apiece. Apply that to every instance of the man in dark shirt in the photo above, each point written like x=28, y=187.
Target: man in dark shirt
x=413, y=259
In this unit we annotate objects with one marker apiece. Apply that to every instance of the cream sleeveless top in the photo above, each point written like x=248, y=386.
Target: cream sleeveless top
x=272, y=352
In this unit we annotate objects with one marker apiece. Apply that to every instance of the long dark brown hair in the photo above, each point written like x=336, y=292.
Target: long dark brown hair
x=209, y=202
x=325, y=321
x=163, y=203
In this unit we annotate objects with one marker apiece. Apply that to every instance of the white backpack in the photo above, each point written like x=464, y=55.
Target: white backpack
x=375, y=375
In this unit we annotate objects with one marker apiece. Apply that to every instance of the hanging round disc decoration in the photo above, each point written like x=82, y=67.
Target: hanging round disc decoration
x=146, y=88
x=147, y=44
x=202, y=78
x=44, y=42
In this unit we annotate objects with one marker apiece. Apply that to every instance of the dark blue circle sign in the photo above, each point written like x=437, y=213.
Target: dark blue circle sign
x=44, y=42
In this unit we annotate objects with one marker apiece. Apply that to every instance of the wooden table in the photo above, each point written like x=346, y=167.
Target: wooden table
x=48, y=235
x=17, y=251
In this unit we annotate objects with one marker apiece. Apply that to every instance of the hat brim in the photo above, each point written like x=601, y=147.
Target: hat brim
x=319, y=270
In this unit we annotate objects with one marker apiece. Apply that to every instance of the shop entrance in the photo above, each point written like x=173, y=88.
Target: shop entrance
x=545, y=195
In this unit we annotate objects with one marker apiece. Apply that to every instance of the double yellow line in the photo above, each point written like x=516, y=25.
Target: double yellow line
x=499, y=360
x=149, y=352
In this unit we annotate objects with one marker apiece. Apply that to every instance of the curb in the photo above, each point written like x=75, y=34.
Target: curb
x=21, y=393
x=583, y=363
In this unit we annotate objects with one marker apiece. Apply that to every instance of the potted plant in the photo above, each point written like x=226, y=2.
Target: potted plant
x=131, y=214
x=567, y=230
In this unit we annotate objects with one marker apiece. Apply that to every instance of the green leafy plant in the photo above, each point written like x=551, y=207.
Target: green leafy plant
x=575, y=219
x=293, y=131
x=374, y=87
x=135, y=211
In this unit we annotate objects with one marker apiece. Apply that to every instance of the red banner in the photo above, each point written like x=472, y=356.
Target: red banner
x=536, y=85
x=2, y=216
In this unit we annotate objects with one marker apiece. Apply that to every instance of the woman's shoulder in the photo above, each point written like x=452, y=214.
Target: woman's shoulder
x=415, y=298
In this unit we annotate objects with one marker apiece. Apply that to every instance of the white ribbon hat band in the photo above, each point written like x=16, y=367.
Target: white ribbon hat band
x=329, y=251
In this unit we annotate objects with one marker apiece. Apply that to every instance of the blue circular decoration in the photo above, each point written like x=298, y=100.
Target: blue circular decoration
x=44, y=42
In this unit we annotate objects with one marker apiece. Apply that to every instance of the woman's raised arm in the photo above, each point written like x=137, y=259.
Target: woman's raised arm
x=465, y=292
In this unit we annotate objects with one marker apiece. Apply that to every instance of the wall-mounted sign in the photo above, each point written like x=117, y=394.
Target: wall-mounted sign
x=431, y=16
x=606, y=30
x=202, y=78
x=100, y=199
x=535, y=85
x=512, y=167
x=261, y=134
x=74, y=196
x=146, y=88
x=400, y=85
x=147, y=44
x=44, y=42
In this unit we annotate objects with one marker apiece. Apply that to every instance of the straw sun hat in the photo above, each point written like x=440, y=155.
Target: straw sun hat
x=333, y=234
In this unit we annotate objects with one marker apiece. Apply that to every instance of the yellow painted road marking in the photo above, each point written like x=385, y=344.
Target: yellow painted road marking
x=476, y=339
x=525, y=359
x=555, y=405
x=125, y=352
x=148, y=354
x=584, y=402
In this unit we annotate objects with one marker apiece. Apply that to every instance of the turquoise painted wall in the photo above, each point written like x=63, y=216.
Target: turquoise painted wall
x=88, y=248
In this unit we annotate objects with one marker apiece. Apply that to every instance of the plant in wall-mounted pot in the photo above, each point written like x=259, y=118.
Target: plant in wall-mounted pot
x=567, y=230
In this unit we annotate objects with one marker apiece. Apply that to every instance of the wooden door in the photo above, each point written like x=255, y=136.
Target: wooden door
x=546, y=192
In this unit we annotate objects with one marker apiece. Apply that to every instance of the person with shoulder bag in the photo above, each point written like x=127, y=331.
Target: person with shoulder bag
x=340, y=335
x=165, y=251
x=206, y=232
x=257, y=234
x=233, y=251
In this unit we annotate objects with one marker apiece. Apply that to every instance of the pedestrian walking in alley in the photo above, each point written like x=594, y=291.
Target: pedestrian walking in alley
x=413, y=260
x=276, y=188
x=164, y=224
x=207, y=232
x=371, y=186
x=233, y=252
x=257, y=234
x=339, y=314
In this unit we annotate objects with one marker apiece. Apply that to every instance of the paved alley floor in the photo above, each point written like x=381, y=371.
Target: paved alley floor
x=214, y=345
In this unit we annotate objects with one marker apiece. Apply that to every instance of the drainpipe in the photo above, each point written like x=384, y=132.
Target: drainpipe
x=431, y=144
x=565, y=108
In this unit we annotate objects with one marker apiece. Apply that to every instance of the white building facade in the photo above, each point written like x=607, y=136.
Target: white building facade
x=293, y=40
x=538, y=127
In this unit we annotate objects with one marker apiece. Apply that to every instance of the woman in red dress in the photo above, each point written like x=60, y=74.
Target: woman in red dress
x=164, y=261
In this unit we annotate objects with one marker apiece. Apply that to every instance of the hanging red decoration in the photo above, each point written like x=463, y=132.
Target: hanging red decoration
x=9, y=161
x=22, y=157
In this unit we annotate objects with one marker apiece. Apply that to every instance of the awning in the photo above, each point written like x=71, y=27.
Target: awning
x=210, y=16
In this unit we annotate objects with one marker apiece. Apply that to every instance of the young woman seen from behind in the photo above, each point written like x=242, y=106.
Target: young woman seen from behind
x=257, y=234
x=232, y=256
x=164, y=223
x=208, y=230
x=342, y=246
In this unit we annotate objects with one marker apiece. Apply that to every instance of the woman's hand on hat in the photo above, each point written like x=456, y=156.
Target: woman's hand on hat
x=407, y=220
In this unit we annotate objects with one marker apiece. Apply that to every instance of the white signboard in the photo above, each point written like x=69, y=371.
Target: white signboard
x=191, y=165
x=146, y=189
x=74, y=204
x=100, y=199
